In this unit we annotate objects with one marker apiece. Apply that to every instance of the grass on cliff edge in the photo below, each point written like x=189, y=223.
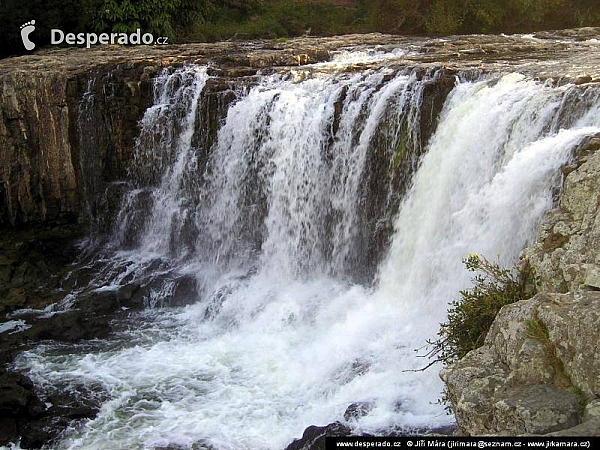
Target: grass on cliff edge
x=471, y=316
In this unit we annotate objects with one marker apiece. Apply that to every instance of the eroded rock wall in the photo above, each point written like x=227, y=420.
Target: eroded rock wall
x=39, y=179
x=521, y=382
x=55, y=150
x=567, y=254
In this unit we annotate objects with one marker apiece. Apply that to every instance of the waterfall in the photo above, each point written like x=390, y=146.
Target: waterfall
x=486, y=181
x=272, y=227
x=285, y=175
x=164, y=165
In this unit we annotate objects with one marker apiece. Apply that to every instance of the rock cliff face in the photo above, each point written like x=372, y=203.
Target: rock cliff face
x=39, y=179
x=45, y=171
x=69, y=119
x=539, y=369
x=566, y=254
x=520, y=382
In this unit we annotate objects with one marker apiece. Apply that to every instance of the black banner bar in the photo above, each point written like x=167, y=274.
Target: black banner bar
x=450, y=442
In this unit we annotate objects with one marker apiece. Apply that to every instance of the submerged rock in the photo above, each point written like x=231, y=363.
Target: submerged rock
x=33, y=262
x=68, y=326
x=34, y=420
x=314, y=437
x=200, y=445
x=18, y=404
x=357, y=410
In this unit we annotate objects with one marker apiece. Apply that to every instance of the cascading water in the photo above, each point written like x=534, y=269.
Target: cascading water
x=484, y=184
x=165, y=158
x=281, y=337
x=285, y=175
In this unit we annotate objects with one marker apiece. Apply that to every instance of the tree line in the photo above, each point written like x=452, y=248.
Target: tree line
x=209, y=20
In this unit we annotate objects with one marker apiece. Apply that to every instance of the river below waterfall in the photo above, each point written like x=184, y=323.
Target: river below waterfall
x=316, y=274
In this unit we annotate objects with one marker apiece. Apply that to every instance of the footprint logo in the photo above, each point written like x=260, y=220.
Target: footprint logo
x=26, y=30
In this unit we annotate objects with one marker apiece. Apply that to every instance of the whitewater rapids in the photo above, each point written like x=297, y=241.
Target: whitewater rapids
x=291, y=340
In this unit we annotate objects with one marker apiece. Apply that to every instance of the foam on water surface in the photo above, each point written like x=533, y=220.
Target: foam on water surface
x=291, y=341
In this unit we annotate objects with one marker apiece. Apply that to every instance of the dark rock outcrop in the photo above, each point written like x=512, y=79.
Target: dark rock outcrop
x=357, y=410
x=384, y=185
x=59, y=147
x=67, y=326
x=314, y=437
x=32, y=263
x=36, y=421
x=18, y=404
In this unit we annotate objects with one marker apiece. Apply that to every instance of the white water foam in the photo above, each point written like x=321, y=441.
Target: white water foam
x=292, y=344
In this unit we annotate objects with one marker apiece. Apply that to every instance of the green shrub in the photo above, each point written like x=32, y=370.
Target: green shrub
x=470, y=317
x=393, y=16
x=444, y=18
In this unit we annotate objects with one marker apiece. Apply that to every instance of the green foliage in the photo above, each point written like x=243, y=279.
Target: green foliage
x=537, y=330
x=394, y=16
x=444, y=18
x=126, y=16
x=470, y=317
x=274, y=19
x=210, y=20
x=161, y=17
